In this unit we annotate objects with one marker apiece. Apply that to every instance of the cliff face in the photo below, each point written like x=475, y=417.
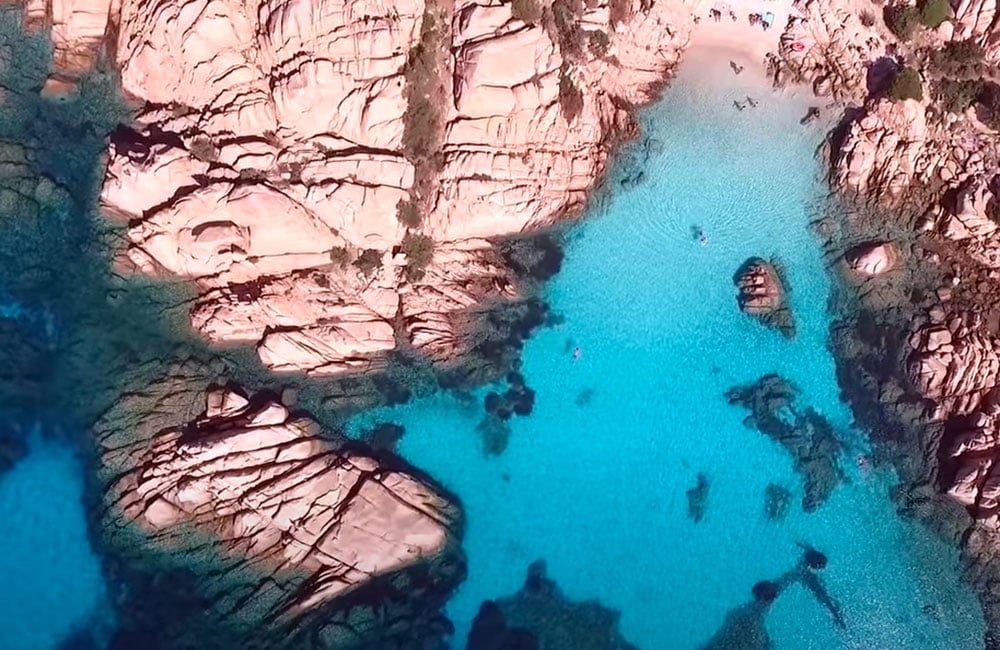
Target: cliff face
x=328, y=175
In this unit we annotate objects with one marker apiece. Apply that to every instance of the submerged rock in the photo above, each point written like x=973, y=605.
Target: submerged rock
x=744, y=627
x=284, y=534
x=539, y=617
x=804, y=433
x=763, y=295
x=776, y=501
x=698, y=498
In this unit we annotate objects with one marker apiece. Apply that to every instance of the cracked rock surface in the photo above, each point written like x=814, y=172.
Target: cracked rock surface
x=289, y=533
x=284, y=155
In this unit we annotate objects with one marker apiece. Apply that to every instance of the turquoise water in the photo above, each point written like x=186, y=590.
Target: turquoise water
x=52, y=583
x=598, y=490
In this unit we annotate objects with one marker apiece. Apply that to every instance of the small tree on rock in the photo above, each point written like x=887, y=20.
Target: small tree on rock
x=419, y=251
x=902, y=20
x=934, y=12
x=369, y=261
x=906, y=85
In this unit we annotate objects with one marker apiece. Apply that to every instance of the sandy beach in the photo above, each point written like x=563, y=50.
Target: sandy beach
x=747, y=42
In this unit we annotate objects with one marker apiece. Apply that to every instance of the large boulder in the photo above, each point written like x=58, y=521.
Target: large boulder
x=762, y=294
x=871, y=258
x=290, y=536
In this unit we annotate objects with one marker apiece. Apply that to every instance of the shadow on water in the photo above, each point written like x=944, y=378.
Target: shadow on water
x=744, y=627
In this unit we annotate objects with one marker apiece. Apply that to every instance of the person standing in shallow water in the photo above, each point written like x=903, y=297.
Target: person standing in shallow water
x=744, y=627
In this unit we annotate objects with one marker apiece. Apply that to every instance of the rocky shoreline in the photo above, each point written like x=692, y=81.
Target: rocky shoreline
x=377, y=250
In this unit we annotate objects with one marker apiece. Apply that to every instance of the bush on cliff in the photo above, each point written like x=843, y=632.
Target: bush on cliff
x=906, y=85
x=902, y=20
x=339, y=256
x=956, y=95
x=528, y=11
x=408, y=214
x=989, y=104
x=959, y=60
x=419, y=251
x=934, y=12
x=570, y=97
x=369, y=261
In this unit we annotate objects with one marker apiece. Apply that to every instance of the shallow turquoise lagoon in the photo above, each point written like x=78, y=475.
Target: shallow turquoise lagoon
x=51, y=581
x=598, y=490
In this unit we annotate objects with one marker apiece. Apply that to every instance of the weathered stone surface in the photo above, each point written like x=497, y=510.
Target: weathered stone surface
x=871, y=258
x=288, y=532
x=763, y=295
x=280, y=145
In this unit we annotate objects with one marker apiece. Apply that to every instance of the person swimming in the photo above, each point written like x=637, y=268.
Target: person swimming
x=702, y=239
x=576, y=354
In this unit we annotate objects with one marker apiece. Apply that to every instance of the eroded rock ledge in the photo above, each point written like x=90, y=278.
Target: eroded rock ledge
x=331, y=177
x=287, y=534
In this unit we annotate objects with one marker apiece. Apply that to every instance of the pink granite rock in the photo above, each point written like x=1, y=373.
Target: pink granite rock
x=271, y=149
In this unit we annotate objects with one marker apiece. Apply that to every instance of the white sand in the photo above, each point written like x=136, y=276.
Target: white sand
x=748, y=44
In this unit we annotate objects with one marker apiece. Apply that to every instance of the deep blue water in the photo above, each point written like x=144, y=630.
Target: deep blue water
x=598, y=490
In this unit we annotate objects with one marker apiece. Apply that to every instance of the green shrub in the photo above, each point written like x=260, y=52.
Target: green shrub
x=528, y=11
x=906, y=85
x=902, y=20
x=339, y=256
x=934, y=12
x=954, y=96
x=419, y=251
x=570, y=97
x=599, y=42
x=408, y=214
x=203, y=149
x=959, y=60
x=369, y=261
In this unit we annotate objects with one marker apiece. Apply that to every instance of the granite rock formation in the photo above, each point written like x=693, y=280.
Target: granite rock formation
x=290, y=535
x=871, y=258
x=764, y=296
x=332, y=178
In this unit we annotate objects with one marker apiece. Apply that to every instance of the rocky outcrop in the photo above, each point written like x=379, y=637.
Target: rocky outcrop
x=763, y=295
x=871, y=258
x=828, y=47
x=804, y=434
x=540, y=617
x=328, y=176
x=291, y=535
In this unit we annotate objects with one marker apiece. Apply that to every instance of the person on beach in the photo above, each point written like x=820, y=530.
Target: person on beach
x=737, y=68
x=753, y=102
x=738, y=105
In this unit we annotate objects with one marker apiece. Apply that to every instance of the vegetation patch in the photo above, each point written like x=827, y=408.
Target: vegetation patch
x=419, y=251
x=566, y=20
x=340, y=256
x=906, y=85
x=408, y=214
x=902, y=20
x=620, y=11
x=527, y=11
x=570, y=97
x=934, y=12
x=369, y=261
x=959, y=60
x=599, y=42
x=203, y=149
x=954, y=96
